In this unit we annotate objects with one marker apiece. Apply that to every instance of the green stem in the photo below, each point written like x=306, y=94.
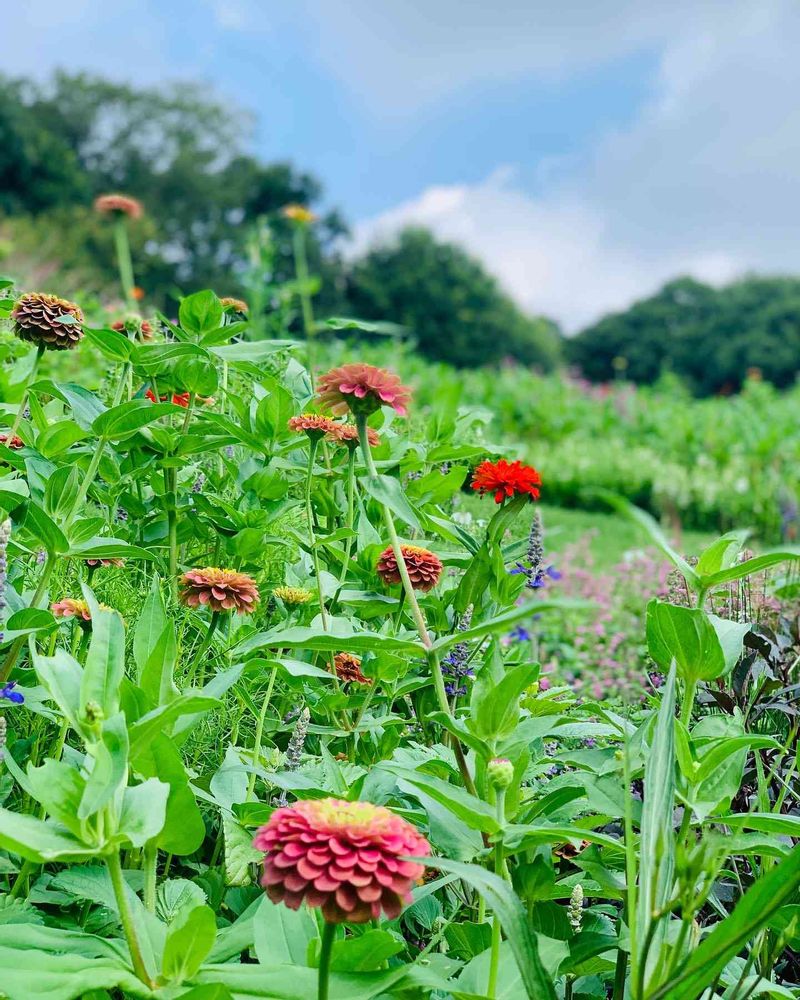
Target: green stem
x=21, y=881
x=41, y=590
x=351, y=500
x=501, y=870
x=301, y=269
x=689, y=691
x=150, y=865
x=312, y=451
x=251, y=784
x=120, y=894
x=124, y=262
x=630, y=868
x=326, y=947
x=416, y=611
x=24, y=401
x=170, y=502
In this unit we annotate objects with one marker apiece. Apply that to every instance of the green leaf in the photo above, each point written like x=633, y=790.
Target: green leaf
x=143, y=811
x=502, y=621
x=504, y=517
x=44, y=528
x=657, y=843
x=687, y=636
x=496, y=712
x=160, y=720
x=478, y=815
x=105, y=661
x=770, y=558
x=56, y=438
x=312, y=638
x=59, y=788
x=62, y=676
x=721, y=553
x=40, y=840
x=200, y=313
x=129, y=418
x=753, y=912
x=189, y=939
x=282, y=936
x=112, y=344
x=785, y=825
x=110, y=770
x=150, y=626
x=501, y=899
x=389, y=492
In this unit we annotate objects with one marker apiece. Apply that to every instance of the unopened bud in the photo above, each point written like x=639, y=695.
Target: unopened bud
x=500, y=772
x=576, y=908
x=93, y=713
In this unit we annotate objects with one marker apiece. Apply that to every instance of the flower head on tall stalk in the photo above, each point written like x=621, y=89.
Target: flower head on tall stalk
x=506, y=479
x=345, y=858
x=347, y=434
x=52, y=323
x=362, y=389
x=312, y=424
x=424, y=568
x=119, y=204
x=232, y=305
x=219, y=589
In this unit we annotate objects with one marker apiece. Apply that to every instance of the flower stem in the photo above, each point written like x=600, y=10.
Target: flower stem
x=416, y=611
x=124, y=263
x=24, y=400
x=212, y=628
x=689, y=691
x=312, y=451
x=351, y=499
x=301, y=270
x=497, y=928
x=326, y=947
x=251, y=783
x=150, y=865
x=120, y=894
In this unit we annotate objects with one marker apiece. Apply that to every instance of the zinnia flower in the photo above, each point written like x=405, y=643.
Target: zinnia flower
x=72, y=607
x=137, y=293
x=506, y=479
x=121, y=204
x=348, y=669
x=424, y=568
x=345, y=857
x=312, y=424
x=298, y=213
x=94, y=563
x=234, y=305
x=39, y=319
x=348, y=434
x=178, y=398
x=14, y=443
x=220, y=589
x=293, y=595
x=140, y=327
x=362, y=389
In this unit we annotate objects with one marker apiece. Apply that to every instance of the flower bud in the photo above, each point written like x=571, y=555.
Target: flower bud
x=500, y=772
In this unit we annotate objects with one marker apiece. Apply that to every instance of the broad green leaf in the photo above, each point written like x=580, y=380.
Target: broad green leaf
x=755, y=565
x=105, y=661
x=59, y=789
x=143, y=811
x=129, y=418
x=43, y=527
x=502, y=900
x=389, y=492
x=160, y=720
x=721, y=553
x=189, y=940
x=110, y=767
x=108, y=548
x=343, y=638
x=478, y=815
x=282, y=936
x=497, y=712
x=200, y=312
x=686, y=636
x=40, y=840
x=112, y=344
x=58, y=437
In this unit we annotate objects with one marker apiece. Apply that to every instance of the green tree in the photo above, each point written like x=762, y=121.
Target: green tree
x=445, y=298
x=181, y=152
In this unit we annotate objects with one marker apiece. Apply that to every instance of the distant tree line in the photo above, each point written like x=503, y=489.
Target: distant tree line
x=711, y=337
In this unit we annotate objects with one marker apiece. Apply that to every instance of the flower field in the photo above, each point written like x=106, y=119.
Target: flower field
x=311, y=686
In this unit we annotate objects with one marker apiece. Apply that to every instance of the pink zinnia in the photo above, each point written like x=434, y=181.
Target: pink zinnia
x=70, y=607
x=362, y=389
x=349, y=858
x=424, y=568
x=122, y=204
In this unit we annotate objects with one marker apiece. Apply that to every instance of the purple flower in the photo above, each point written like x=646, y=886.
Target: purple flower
x=519, y=634
x=8, y=693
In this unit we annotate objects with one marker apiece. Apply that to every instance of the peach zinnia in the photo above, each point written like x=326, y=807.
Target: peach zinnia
x=348, y=858
x=362, y=389
x=348, y=434
x=219, y=589
x=70, y=607
x=119, y=204
x=424, y=568
x=312, y=424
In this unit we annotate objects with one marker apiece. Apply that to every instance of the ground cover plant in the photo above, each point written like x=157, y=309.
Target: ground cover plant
x=270, y=729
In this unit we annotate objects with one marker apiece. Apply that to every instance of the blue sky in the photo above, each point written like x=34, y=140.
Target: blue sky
x=586, y=150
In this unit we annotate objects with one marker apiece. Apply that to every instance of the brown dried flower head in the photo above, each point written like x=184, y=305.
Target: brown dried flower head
x=348, y=669
x=48, y=321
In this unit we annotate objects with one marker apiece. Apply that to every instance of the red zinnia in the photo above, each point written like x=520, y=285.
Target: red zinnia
x=506, y=479
x=424, y=568
x=14, y=443
x=178, y=398
x=345, y=857
x=348, y=668
x=220, y=589
x=362, y=389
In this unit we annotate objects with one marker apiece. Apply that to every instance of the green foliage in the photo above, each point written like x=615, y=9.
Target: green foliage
x=453, y=309
x=709, y=337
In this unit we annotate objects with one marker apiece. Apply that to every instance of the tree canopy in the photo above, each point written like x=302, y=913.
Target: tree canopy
x=452, y=306
x=709, y=337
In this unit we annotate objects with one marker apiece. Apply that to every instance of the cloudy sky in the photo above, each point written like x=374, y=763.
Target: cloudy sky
x=585, y=150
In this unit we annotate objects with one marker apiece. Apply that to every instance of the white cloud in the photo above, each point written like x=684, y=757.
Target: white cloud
x=706, y=181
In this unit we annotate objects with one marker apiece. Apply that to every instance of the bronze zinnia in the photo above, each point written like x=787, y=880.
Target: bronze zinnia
x=362, y=389
x=348, y=434
x=229, y=304
x=122, y=204
x=424, y=568
x=346, y=857
x=348, y=669
x=219, y=589
x=40, y=319
x=312, y=424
